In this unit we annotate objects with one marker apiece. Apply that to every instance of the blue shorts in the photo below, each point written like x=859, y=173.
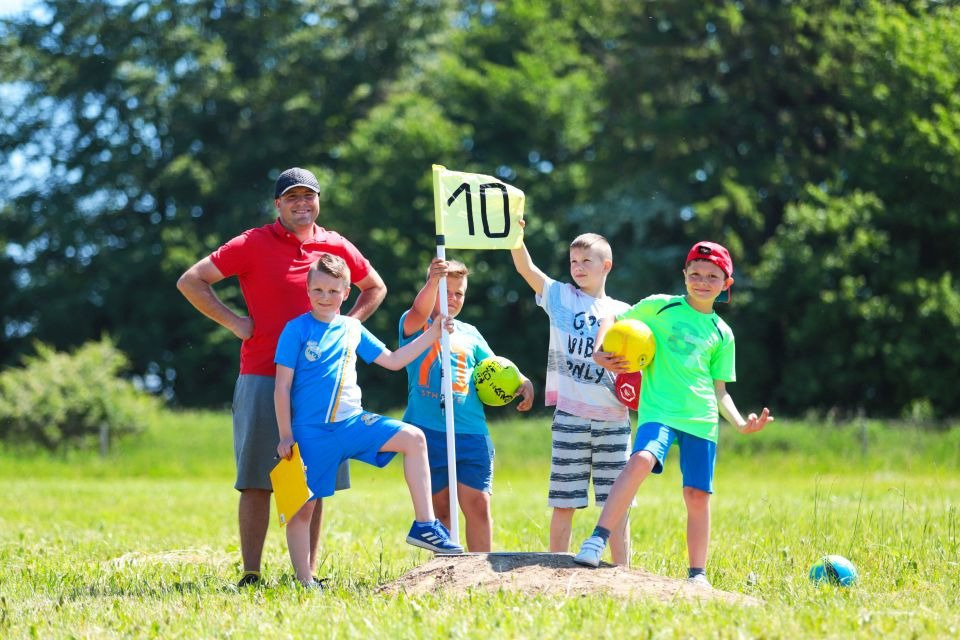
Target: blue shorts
x=698, y=456
x=324, y=446
x=474, y=460
x=255, y=434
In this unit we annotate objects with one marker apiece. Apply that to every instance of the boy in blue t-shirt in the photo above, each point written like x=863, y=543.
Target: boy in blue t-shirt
x=424, y=409
x=317, y=401
x=684, y=389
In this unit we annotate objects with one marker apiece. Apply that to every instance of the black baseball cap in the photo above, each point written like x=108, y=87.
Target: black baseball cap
x=295, y=177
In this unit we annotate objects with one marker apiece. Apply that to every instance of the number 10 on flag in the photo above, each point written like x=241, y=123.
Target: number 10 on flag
x=475, y=211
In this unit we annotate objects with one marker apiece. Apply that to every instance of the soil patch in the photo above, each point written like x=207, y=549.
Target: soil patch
x=549, y=574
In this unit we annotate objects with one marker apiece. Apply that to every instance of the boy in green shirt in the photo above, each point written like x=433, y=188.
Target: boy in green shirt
x=684, y=389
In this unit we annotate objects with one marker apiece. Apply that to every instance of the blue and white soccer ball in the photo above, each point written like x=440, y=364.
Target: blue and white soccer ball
x=835, y=570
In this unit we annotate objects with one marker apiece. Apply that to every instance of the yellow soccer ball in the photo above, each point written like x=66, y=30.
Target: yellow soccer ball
x=633, y=340
x=497, y=381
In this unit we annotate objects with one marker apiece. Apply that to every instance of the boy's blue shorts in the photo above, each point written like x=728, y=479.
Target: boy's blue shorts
x=698, y=456
x=324, y=446
x=474, y=460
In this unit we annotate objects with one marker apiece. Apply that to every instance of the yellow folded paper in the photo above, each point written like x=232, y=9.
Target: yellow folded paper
x=290, y=490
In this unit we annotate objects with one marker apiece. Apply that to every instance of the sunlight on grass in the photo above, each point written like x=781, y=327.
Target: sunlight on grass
x=144, y=543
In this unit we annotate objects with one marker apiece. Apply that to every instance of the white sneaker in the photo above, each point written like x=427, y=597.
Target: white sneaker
x=701, y=581
x=590, y=552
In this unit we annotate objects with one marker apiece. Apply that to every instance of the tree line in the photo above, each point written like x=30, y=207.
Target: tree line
x=819, y=140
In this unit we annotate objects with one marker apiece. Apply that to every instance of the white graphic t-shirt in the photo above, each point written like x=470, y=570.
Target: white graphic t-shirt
x=575, y=383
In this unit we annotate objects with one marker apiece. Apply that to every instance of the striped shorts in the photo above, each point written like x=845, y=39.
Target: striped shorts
x=583, y=447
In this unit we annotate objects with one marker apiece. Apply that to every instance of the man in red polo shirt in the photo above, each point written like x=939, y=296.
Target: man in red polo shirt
x=271, y=263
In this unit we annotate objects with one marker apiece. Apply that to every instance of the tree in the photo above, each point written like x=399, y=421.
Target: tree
x=797, y=133
x=879, y=302
x=159, y=127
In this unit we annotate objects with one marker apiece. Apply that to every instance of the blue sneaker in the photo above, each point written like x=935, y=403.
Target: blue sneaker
x=432, y=536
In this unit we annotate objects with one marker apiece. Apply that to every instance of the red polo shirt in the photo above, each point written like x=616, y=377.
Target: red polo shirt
x=272, y=266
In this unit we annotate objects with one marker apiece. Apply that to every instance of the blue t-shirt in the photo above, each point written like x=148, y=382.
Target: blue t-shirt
x=467, y=348
x=323, y=357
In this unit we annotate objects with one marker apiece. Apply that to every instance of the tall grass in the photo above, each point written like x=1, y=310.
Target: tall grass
x=143, y=543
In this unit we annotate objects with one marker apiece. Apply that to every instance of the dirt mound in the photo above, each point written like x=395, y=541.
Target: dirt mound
x=549, y=574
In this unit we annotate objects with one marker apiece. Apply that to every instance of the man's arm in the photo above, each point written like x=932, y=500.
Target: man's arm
x=372, y=292
x=196, y=286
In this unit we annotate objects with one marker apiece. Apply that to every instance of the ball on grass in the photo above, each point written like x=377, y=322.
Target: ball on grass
x=497, y=381
x=632, y=340
x=835, y=570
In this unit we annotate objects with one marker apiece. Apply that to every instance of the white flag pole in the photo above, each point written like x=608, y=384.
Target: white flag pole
x=446, y=379
x=446, y=386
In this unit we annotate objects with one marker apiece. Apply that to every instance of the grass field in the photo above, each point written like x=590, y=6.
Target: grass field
x=144, y=543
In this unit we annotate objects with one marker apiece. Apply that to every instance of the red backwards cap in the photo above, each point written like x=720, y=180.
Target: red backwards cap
x=711, y=252
x=718, y=255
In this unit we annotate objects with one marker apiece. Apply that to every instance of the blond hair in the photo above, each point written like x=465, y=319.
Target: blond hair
x=594, y=241
x=455, y=269
x=331, y=265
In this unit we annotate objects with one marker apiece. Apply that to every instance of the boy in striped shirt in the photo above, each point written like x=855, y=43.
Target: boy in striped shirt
x=591, y=428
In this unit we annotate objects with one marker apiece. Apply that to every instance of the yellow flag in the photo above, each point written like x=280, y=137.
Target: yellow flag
x=289, y=479
x=474, y=211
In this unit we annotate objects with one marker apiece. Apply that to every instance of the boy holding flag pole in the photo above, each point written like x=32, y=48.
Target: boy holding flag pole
x=460, y=226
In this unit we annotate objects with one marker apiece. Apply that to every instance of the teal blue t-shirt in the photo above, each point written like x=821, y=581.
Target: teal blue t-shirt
x=467, y=348
x=693, y=350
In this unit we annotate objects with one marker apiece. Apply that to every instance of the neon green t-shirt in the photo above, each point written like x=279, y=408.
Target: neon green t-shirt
x=693, y=350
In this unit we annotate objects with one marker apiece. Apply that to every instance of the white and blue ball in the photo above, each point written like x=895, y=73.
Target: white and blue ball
x=835, y=570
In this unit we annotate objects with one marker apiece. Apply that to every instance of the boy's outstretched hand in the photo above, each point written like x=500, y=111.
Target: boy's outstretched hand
x=435, y=327
x=526, y=393
x=755, y=423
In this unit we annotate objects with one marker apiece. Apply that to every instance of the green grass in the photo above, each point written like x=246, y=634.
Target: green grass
x=144, y=543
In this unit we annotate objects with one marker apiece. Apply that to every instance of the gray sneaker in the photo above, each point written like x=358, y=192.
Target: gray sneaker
x=590, y=552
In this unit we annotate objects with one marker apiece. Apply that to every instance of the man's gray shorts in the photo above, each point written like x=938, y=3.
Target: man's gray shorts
x=255, y=434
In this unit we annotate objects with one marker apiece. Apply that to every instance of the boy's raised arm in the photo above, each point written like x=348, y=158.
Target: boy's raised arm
x=525, y=267
x=530, y=272
x=426, y=298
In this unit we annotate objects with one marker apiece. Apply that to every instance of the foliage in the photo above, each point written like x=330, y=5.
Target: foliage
x=819, y=140
x=161, y=126
x=62, y=400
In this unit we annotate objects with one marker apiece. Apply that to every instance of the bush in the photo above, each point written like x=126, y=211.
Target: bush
x=62, y=400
